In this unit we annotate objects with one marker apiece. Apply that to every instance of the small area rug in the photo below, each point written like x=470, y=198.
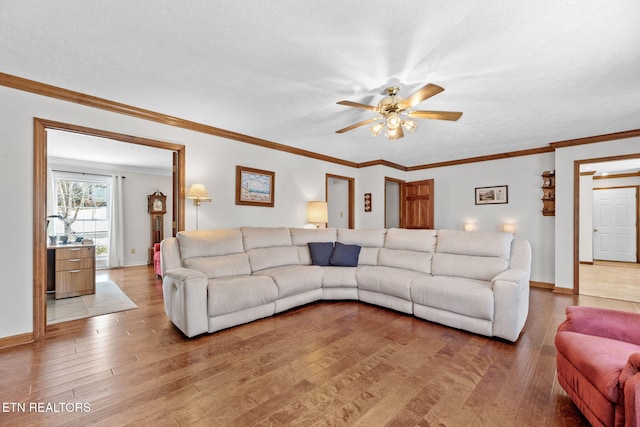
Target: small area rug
x=108, y=298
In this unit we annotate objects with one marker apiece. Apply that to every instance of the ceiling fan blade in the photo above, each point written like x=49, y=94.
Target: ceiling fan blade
x=417, y=97
x=348, y=128
x=357, y=105
x=437, y=115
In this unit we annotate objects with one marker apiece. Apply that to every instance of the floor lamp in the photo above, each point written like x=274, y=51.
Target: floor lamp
x=198, y=193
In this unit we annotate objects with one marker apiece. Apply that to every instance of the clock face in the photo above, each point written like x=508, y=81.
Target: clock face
x=157, y=205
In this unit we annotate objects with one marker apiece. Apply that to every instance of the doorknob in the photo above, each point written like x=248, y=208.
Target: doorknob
x=595, y=230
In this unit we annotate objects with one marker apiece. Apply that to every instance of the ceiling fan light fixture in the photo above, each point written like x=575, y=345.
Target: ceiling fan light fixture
x=376, y=129
x=409, y=125
x=393, y=121
x=393, y=134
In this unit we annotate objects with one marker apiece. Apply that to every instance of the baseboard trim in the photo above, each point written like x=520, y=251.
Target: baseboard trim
x=543, y=285
x=586, y=262
x=565, y=291
x=15, y=340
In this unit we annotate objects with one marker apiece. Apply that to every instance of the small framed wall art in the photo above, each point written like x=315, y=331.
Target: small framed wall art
x=255, y=187
x=367, y=202
x=492, y=195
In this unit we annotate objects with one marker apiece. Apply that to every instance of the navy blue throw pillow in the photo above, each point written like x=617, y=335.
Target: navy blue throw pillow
x=345, y=255
x=320, y=252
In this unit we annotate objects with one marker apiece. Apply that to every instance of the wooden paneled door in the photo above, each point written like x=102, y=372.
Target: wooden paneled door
x=418, y=204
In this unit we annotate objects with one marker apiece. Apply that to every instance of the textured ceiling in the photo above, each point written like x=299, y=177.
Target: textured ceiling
x=524, y=73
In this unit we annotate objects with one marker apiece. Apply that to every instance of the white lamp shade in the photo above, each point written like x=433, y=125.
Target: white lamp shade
x=198, y=191
x=317, y=212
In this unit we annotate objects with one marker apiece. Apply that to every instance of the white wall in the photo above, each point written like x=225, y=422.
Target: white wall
x=565, y=159
x=454, y=195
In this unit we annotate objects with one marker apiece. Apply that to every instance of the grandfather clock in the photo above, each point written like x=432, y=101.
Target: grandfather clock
x=157, y=207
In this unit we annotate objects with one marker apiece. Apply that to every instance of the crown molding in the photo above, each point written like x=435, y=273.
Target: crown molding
x=44, y=89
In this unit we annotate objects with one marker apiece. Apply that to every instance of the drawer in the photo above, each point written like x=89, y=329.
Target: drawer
x=74, y=264
x=74, y=283
x=75, y=252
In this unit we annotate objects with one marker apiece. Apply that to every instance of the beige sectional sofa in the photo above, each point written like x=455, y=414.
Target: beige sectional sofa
x=476, y=281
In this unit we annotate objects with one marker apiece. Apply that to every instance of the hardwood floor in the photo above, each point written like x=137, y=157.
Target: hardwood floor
x=608, y=279
x=329, y=363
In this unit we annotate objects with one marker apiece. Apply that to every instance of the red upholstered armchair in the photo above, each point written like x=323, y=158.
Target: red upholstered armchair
x=599, y=363
x=156, y=259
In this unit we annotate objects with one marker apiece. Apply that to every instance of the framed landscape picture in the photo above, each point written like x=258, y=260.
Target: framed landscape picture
x=254, y=187
x=492, y=195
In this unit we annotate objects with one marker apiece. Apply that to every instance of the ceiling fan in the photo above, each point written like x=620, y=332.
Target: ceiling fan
x=393, y=109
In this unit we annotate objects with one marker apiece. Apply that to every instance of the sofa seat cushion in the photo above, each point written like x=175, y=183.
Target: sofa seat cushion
x=387, y=280
x=473, y=298
x=294, y=279
x=598, y=359
x=339, y=277
x=231, y=294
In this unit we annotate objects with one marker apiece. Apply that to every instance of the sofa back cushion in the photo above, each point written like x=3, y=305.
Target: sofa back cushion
x=269, y=247
x=408, y=249
x=471, y=254
x=216, y=253
x=411, y=240
x=301, y=237
x=220, y=266
x=198, y=243
x=265, y=237
x=369, y=240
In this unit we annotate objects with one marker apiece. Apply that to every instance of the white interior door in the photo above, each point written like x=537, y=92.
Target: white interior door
x=338, y=202
x=614, y=220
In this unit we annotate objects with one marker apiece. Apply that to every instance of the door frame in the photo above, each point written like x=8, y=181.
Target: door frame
x=576, y=210
x=40, y=127
x=351, y=184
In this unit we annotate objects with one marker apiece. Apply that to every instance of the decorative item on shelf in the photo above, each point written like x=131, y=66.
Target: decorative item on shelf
x=549, y=193
x=317, y=213
x=198, y=193
x=367, y=202
x=64, y=239
x=156, y=207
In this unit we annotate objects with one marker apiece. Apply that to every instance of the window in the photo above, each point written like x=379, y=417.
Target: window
x=83, y=201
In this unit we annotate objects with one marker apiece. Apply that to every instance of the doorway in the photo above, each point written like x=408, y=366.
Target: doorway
x=605, y=279
x=615, y=212
x=41, y=127
x=393, y=198
x=340, y=196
